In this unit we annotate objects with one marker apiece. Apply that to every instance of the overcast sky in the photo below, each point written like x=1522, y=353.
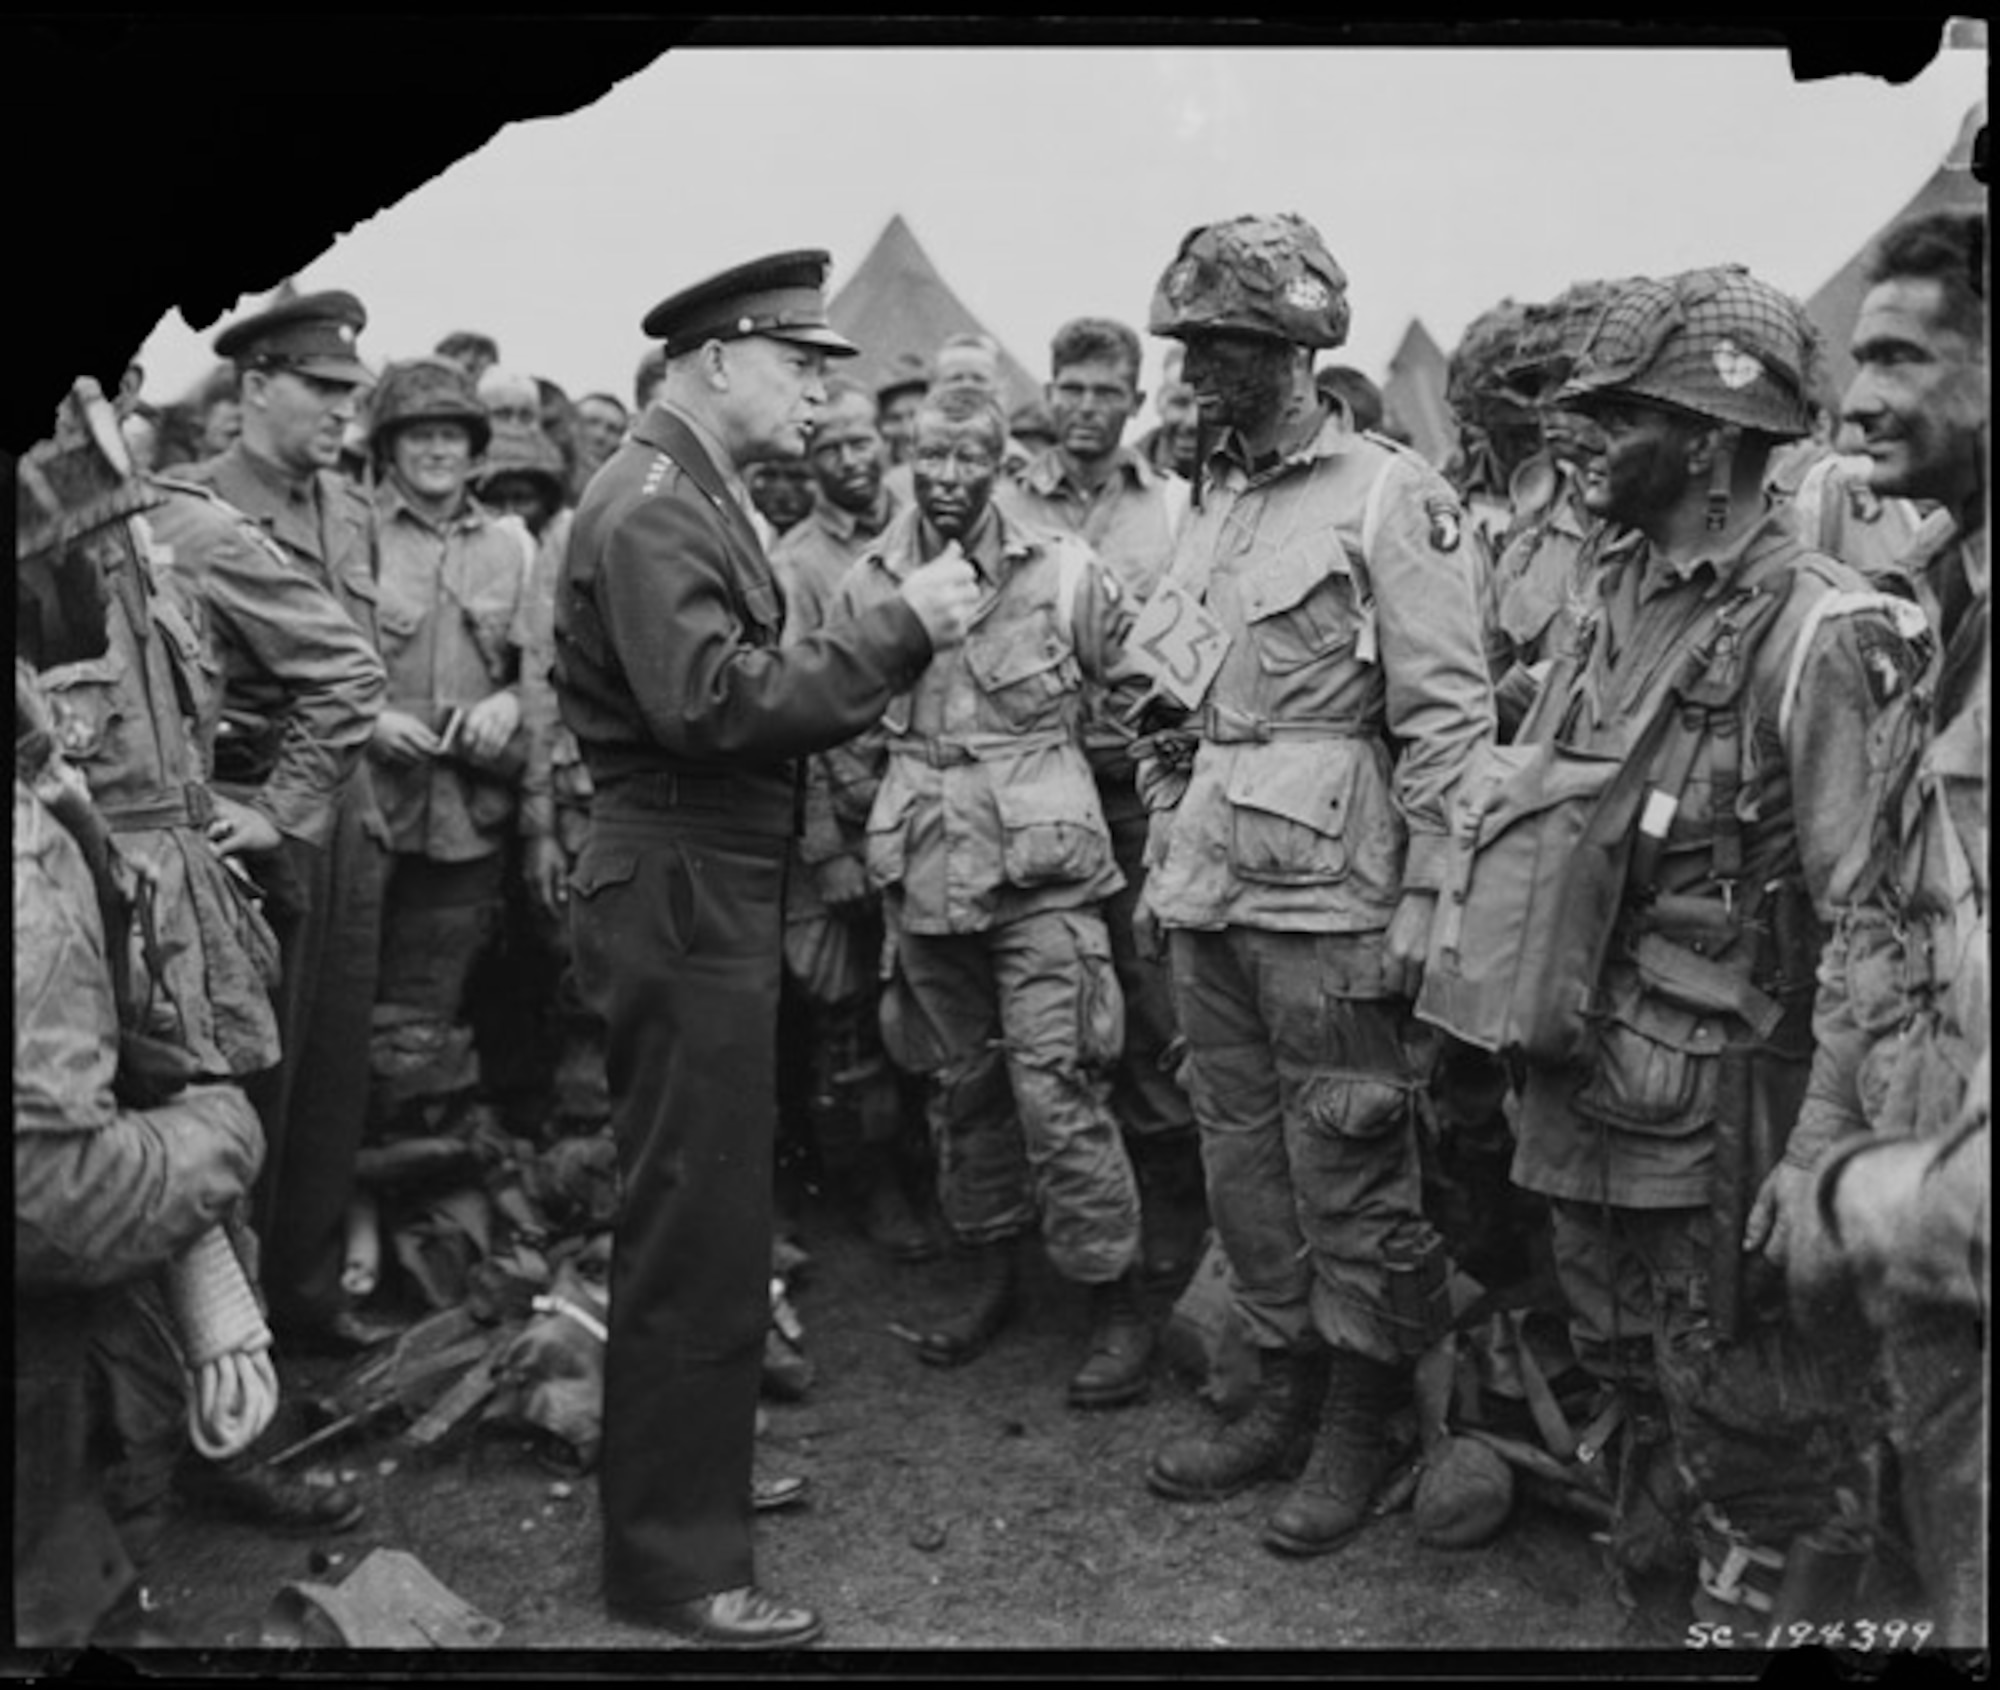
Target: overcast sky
x=1050, y=183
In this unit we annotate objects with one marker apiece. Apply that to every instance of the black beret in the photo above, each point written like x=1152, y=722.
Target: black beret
x=782, y=296
x=313, y=334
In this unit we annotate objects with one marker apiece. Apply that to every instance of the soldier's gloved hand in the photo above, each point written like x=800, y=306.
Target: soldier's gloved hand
x=547, y=872
x=1409, y=941
x=944, y=593
x=842, y=884
x=401, y=739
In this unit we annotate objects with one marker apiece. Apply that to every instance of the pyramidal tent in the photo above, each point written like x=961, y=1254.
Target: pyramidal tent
x=1836, y=306
x=899, y=311
x=1413, y=403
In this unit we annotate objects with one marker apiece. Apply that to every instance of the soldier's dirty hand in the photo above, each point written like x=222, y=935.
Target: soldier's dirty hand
x=1409, y=942
x=489, y=724
x=400, y=738
x=944, y=593
x=1782, y=1213
x=1149, y=939
x=548, y=874
x=841, y=883
x=238, y=828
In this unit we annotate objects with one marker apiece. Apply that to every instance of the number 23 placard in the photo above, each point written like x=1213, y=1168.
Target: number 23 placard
x=1178, y=644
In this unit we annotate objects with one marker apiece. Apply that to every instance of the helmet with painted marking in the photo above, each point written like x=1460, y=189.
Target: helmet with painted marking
x=1715, y=343
x=1265, y=275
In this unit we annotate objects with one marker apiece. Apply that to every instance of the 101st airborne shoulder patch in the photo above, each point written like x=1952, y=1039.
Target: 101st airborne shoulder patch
x=1447, y=526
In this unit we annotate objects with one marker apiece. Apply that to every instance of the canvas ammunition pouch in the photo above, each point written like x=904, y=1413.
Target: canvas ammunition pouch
x=1547, y=850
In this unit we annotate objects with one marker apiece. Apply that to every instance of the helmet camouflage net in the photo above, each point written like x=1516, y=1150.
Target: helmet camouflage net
x=1483, y=382
x=426, y=390
x=1557, y=332
x=1267, y=275
x=1716, y=343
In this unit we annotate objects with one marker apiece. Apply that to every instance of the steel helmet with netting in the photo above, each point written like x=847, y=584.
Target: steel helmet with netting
x=428, y=389
x=1715, y=343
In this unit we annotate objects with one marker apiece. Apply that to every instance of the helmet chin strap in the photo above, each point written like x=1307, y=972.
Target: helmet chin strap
x=1719, y=472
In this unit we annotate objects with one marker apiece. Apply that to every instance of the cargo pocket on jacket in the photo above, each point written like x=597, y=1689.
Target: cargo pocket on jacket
x=1289, y=814
x=1653, y=1068
x=1051, y=833
x=1300, y=606
x=83, y=705
x=396, y=624
x=887, y=845
x=1025, y=671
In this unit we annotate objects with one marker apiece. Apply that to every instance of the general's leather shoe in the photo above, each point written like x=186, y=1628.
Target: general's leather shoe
x=783, y=1490
x=263, y=1495
x=744, y=1618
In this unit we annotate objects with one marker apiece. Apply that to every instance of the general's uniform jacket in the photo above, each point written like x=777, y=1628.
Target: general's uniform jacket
x=1352, y=693
x=675, y=670
x=979, y=803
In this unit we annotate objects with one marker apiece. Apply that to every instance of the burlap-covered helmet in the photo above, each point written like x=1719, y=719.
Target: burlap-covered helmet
x=1716, y=343
x=516, y=450
x=1557, y=332
x=1267, y=275
x=1484, y=372
x=426, y=390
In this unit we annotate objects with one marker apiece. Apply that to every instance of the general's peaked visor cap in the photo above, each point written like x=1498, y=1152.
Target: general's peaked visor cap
x=782, y=296
x=313, y=334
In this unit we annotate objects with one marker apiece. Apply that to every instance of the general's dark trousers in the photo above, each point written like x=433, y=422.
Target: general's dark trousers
x=676, y=920
x=314, y=1104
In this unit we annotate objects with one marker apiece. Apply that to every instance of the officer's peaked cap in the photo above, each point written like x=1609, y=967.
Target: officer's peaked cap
x=313, y=334
x=783, y=296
